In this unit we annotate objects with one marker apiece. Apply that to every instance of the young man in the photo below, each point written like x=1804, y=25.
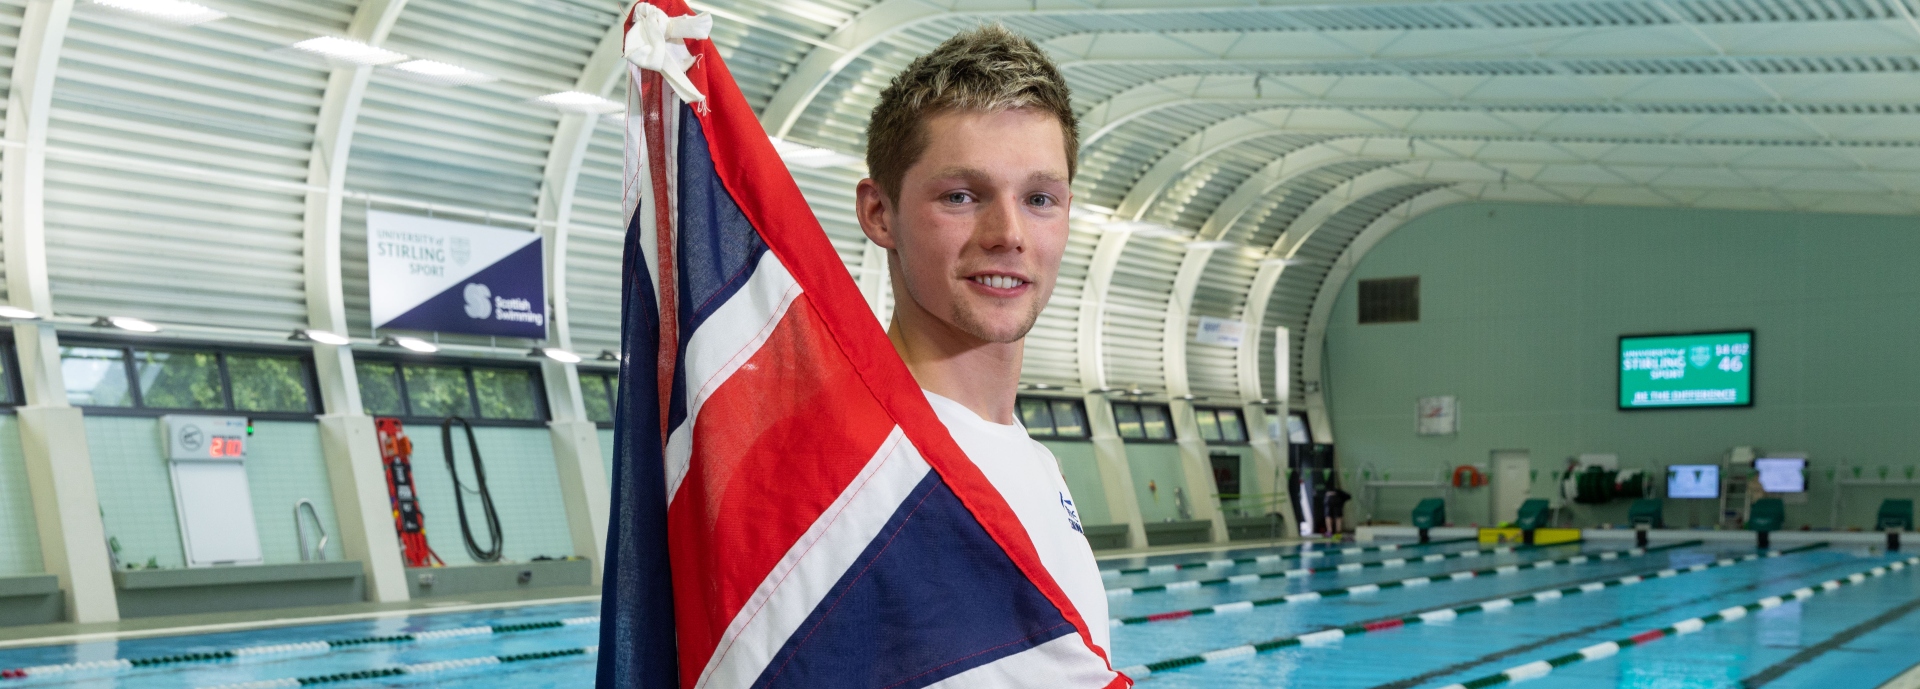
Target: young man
x=972, y=150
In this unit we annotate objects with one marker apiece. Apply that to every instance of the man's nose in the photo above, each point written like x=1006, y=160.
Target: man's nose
x=1002, y=227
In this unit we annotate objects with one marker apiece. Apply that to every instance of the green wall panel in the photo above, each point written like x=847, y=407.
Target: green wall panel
x=525, y=485
x=1521, y=306
x=606, y=452
x=1158, y=464
x=19, y=535
x=136, y=490
x=1082, y=472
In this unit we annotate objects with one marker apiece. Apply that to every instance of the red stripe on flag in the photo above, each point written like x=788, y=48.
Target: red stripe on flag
x=1169, y=616
x=1644, y=637
x=774, y=446
x=1384, y=624
x=656, y=133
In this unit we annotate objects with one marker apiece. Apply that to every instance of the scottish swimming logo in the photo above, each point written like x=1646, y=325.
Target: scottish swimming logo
x=479, y=300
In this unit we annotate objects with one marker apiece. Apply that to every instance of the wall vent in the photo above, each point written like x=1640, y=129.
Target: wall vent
x=1390, y=300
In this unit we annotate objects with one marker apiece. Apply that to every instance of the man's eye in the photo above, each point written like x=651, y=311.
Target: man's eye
x=1041, y=200
x=958, y=197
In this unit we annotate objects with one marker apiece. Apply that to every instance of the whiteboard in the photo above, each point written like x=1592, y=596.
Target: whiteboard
x=216, y=513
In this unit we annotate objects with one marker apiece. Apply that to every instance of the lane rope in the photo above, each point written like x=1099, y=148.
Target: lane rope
x=1541, y=668
x=1343, y=567
x=1224, y=563
x=1460, y=575
x=1333, y=634
x=415, y=669
x=312, y=647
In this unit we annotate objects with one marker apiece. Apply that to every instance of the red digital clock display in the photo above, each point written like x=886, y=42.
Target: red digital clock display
x=225, y=446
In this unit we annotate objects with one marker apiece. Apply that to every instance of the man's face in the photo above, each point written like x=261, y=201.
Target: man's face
x=981, y=221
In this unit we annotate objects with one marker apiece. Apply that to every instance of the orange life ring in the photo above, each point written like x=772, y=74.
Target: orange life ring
x=1473, y=478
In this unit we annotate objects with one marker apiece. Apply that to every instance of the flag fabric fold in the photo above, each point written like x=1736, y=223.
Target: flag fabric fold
x=788, y=511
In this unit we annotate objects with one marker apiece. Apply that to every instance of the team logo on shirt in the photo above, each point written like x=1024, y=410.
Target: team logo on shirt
x=1073, y=517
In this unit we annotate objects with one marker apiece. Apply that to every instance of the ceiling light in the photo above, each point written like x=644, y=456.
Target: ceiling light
x=325, y=337
x=1212, y=244
x=128, y=323
x=349, y=51
x=170, y=11
x=438, y=72
x=411, y=344
x=576, y=101
x=556, y=354
x=1264, y=400
x=812, y=157
x=17, y=313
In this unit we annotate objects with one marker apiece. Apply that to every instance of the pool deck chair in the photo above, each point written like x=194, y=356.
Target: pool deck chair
x=1534, y=514
x=1432, y=512
x=1896, y=515
x=1645, y=515
x=1767, y=516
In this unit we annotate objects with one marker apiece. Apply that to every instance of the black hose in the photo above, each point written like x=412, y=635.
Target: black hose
x=491, y=554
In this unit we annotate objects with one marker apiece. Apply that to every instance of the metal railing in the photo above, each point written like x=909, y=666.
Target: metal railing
x=318, y=553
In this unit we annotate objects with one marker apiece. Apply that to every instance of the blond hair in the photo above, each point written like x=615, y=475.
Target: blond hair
x=987, y=69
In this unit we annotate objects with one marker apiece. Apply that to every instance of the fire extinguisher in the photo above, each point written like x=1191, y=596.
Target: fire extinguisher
x=396, y=452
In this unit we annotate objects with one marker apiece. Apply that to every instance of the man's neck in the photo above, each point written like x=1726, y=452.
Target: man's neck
x=982, y=376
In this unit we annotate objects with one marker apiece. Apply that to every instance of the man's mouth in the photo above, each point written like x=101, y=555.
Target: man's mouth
x=998, y=281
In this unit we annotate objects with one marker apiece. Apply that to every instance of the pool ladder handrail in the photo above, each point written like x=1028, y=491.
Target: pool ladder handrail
x=319, y=551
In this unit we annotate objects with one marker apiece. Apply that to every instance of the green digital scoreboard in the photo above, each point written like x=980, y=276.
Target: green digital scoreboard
x=1690, y=370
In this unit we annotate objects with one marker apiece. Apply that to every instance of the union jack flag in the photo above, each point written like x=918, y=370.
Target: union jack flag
x=788, y=511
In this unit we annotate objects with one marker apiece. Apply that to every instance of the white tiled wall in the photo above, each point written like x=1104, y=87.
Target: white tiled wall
x=284, y=465
x=525, y=485
x=19, y=539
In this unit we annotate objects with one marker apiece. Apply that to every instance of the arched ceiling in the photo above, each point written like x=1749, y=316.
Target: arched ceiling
x=1234, y=150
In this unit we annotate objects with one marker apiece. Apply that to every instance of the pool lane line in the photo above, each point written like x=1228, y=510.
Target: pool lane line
x=1463, y=666
x=1793, y=662
x=316, y=647
x=1272, y=558
x=1343, y=567
x=415, y=669
x=1332, y=634
x=1541, y=668
x=1458, y=575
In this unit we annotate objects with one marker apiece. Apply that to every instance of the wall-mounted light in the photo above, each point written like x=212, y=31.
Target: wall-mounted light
x=17, y=313
x=413, y=344
x=325, y=337
x=609, y=355
x=556, y=354
x=127, y=323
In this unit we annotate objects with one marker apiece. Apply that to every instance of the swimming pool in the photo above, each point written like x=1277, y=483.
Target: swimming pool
x=1399, y=616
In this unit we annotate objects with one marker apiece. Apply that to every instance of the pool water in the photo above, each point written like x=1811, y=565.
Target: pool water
x=1857, y=635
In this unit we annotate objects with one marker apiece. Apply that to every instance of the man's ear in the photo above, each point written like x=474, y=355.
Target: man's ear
x=871, y=206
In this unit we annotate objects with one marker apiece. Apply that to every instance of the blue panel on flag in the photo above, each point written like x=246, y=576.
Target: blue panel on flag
x=506, y=299
x=718, y=247
x=931, y=591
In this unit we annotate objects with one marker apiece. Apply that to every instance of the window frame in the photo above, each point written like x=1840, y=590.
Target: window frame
x=1239, y=417
x=611, y=376
x=15, y=386
x=1053, y=433
x=1173, y=436
x=542, y=412
x=128, y=362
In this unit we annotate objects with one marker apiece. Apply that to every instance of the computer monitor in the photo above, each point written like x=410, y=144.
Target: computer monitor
x=1693, y=481
x=1782, y=474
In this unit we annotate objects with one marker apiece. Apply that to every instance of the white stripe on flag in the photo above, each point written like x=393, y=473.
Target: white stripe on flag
x=814, y=564
x=727, y=340
x=1062, y=662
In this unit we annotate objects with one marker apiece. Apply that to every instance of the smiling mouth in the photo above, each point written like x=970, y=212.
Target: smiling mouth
x=998, y=281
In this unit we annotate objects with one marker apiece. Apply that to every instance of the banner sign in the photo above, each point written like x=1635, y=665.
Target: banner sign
x=455, y=277
x=1220, y=331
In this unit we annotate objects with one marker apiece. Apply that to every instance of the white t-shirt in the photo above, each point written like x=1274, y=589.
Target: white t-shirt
x=1029, y=478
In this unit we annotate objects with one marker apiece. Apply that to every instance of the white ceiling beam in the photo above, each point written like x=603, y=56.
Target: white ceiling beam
x=327, y=179
x=23, y=195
